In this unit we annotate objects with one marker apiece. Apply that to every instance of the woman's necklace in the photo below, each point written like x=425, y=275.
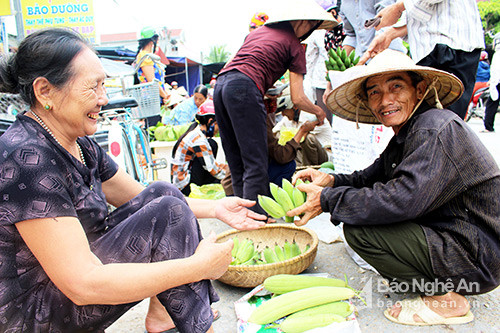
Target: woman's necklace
x=82, y=158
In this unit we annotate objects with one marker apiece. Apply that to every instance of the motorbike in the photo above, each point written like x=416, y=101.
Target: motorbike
x=477, y=104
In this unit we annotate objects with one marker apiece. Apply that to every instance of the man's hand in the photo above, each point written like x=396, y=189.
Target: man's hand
x=378, y=44
x=320, y=115
x=316, y=177
x=233, y=212
x=308, y=126
x=381, y=42
x=390, y=15
x=312, y=207
x=327, y=92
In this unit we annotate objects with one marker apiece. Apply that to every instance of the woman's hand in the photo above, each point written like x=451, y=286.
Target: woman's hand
x=316, y=177
x=233, y=212
x=215, y=256
x=312, y=207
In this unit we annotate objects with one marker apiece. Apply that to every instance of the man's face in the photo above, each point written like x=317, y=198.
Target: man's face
x=392, y=98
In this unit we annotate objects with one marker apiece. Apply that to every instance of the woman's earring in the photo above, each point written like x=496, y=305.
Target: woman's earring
x=47, y=107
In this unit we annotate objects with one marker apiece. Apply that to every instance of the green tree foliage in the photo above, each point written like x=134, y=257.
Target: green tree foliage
x=490, y=17
x=217, y=53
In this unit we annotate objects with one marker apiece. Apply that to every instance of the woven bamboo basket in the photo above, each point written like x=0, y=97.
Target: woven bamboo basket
x=249, y=276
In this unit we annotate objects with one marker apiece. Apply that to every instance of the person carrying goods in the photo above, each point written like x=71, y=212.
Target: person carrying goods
x=147, y=63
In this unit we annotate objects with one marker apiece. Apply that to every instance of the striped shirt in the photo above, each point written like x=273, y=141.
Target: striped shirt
x=455, y=23
x=354, y=14
x=194, y=145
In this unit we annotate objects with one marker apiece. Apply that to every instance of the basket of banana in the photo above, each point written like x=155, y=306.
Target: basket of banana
x=270, y=250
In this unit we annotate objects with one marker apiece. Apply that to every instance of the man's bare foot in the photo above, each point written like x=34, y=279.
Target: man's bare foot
x=448, y=305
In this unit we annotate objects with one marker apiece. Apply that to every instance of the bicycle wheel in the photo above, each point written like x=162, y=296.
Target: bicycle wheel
x=120, y=149
x=143, y=154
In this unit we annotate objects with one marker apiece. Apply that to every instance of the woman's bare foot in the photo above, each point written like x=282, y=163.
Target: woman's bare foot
x=158, y=319
x=447, y=305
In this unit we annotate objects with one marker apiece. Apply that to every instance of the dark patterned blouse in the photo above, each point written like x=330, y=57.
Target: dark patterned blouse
x=39, y=178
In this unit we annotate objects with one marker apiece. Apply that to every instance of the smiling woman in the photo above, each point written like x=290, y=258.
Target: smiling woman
x=74, y=265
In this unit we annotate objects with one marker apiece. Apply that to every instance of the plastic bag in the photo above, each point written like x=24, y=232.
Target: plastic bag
x=287, y=134
x=207, y=191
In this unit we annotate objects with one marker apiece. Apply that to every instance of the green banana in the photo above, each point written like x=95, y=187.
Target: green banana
x=287, y=250
x=343, y=55
x=246, y=253
x=279, y=252
x=284, y=200
x=347, y=62
x=298, y=182
x=295, y=249
x=328, y=65
x=270, y=206
x=274, y=190
x=331, y=52
x=287, y=186
x=236, y=243
x=355, y=61
x=298, y=197
x=352, y=55
x=269, y=255
x=289, y=219
x=253, y=260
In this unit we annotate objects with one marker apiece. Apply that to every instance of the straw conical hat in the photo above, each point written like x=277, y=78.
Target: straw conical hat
x=348, y=99
x=296, y=10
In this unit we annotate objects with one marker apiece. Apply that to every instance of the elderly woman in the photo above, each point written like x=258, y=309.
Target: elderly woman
x=67, y=263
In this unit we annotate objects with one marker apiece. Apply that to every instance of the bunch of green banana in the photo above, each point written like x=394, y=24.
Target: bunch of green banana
x=286, y=198
x=244, y=252
x=338, y=60
x=281, y=253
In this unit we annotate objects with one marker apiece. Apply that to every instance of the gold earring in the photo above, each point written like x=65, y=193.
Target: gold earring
x=47, y=107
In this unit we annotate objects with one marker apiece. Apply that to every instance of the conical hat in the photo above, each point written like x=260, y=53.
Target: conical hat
x=348, y=99
x=297, y=10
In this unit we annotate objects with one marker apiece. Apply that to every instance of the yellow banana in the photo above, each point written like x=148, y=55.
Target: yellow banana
x=270, y=206
x=284, y=200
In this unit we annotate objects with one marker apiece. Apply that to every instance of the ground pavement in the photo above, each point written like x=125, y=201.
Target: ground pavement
x=333, y=259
